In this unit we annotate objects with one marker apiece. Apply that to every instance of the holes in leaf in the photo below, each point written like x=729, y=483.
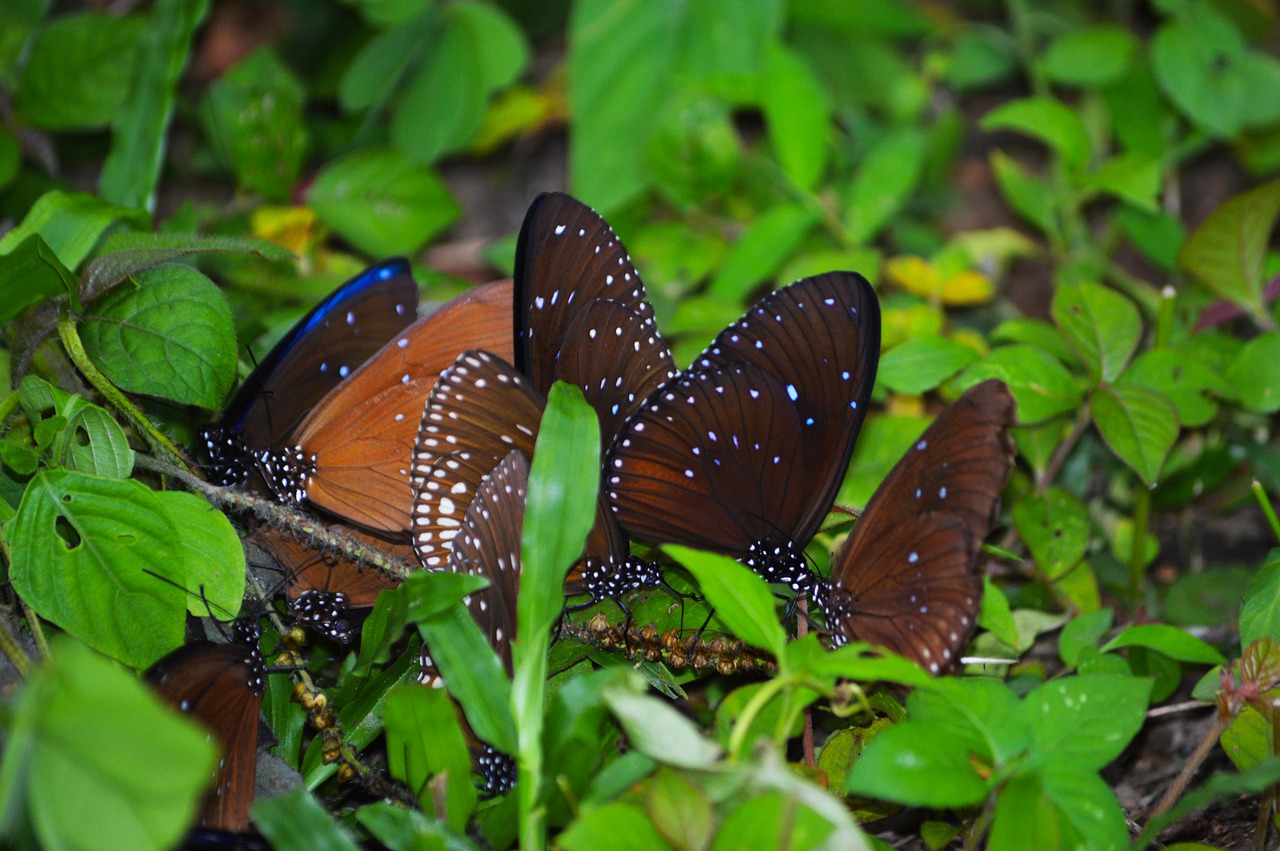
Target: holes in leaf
x=70, y=537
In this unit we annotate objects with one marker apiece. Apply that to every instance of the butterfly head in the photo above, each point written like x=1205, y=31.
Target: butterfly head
x=229, y=457
x=608, y=579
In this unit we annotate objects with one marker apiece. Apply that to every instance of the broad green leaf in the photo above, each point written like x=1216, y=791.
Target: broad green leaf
x=1134, y=178
x=741, y=599
x=1169, y=640
x=425, y=741
x=693, y=153
x=1087, y=719
x=398, y=827
x=172, y=336
x=19, y=20
x=658, y=730
x=253, y=116
x=1260, y=609
x=1048, y=120
x=80, y=546
x=911, y=765
x=140, y=127
x=1027, y=195
x=90, y=442
x=984, y=716
x=1228, y=251
x=1024, y=818
x=679, y=810
x=617, y=826
x=443, y=104
x=819, y=816
x=627, y=58
x=1188, y=382
x=1040, y=384
x=882, y=184
x=995, y=615
x=1139, y=425
x=381, y=65
x=382, y=202
x=1083, y=633
x=1252, y=372
x=213, y=555
x=773, y=821
x=72, y=223
x=297, y=820
x=473, y=674
x=496, y=39
x=127, y=254
x=857, y=661
x=76, y=76
x=1248, y=739
x=797, y=113
x=1089, y=56
x=765, y=244
x=1159, y=236
x=1034, y=332
x=1101, y=325
x=982, y=56
x=1086, y=807
x=922, y=363
x=79, y=787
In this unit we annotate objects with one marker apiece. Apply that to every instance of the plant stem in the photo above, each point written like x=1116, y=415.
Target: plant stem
x=12, y=650
x=767, y=691
x=1138, y=548
x=75, y=350
x=1063, y=451
x=1164, y=318
x=1181, y=782
x=1268, y=509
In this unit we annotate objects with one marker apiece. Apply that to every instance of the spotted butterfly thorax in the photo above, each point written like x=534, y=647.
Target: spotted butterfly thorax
x=317, y=354
x=221, y=686
x=907, y=576
x=351, y=455
x=480, y=410
x=743, y=453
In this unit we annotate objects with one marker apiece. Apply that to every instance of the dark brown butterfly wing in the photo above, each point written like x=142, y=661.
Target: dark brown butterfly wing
x=353, y=452
x=617, y=357
x=566, y=256
x=907, y=576
x=221, y=686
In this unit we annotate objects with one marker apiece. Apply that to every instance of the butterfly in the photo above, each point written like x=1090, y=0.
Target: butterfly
x=351, y=455
x=743, y=453
x=221, y=686
x=481, y=409
x=906, y=578
x=317, y=354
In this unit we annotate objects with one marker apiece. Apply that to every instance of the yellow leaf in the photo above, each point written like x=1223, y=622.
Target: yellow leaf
x=294, y=228
x=898, y=324
x=905, y=406
x=972, y=339
x=967, y=288
x=914, y=274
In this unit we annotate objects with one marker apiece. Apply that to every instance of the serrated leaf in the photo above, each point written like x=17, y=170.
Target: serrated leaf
x=1101, y=325
x=382, y=202
x=72, y=223
x=1188, y=382
x=172, y=336
x=80, y=545
x=1040, y=385
x=1139, y=424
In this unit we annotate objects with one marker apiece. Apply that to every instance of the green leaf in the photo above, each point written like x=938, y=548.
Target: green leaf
x=81, y=788
x=90, y=441
x=1228, y=251
x=1188, y=382
x=1252, y=372
x=1087, y=719
x=296, y=820
x=1083, y=633
x=10, y=157
x=1248, y=739
x=693, y=153
x=473, y=675
x=443, y=105
x=981, y=56
x=172, y=336
x=921, y=364
x=1024, y=818
x=679, y=810
x=425, y=741
x=253, y=116
x=496, y=38
x=140, y=128
x=741, y=599
x=910, y=765
x=995, y=616
x=397, y=827
x=1197, y=60
x=1101, y=325
x=882, y=184
x=983, y=716
x=1169, y=640
x=797, y=113
x=1048, y=120
x=628, y=58
x=382, y=202
x=104, y=533
x=73, y=224
x=127, y=254
x=1089, y=56
x=1040, y=385
x=1028, y=196
x=622, y=827
x=1139, y=425
x=380, y=66
x=18, y=22
x=774, y=821
x=1055, y=527
x=1086, y=807
x=658, y=730
x=213, y=555
x=1133, y=178
x=763, y=247
x=1260, y=609
x=77, y=74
